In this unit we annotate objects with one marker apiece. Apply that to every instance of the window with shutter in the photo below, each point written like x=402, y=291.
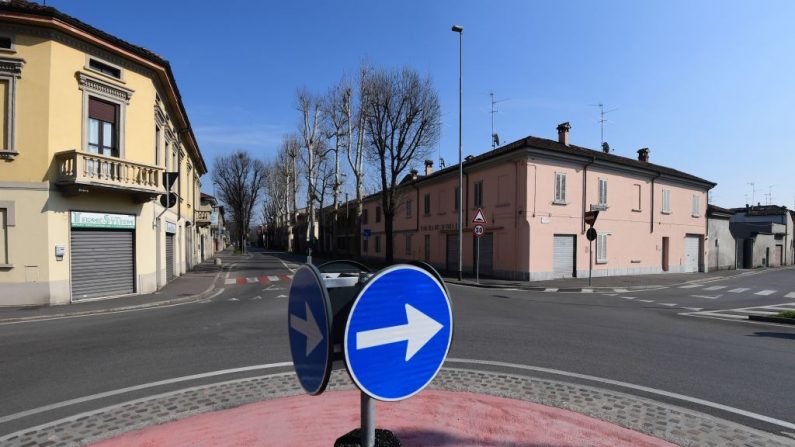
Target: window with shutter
x=560, y=188
x=102, y=130
x=601, y=248
x=666, y=201
x=696, y=205
x=602, y=192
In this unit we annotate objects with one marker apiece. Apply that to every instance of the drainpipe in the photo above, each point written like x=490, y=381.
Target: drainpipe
x=651, y=219
x=585, y=189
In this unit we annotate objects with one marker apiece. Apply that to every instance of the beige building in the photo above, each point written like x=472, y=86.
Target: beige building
x=90, y=124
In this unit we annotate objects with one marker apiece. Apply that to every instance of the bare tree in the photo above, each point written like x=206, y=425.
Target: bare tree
x=241, y=180
x=277, y=190
x=402, y=119
x=356, y=132
x=290, y=151
x=313, y=150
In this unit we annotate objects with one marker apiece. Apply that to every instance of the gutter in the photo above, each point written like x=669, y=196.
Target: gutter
x=651, y=214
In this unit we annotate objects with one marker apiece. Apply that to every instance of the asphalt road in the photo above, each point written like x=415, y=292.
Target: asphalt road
x=644, y=341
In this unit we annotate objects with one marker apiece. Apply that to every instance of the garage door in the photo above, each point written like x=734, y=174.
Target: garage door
x=102, y=263
x=169, y=257
x=452, y=252
x=691, y=254
x=486, y=263
x=563, y=256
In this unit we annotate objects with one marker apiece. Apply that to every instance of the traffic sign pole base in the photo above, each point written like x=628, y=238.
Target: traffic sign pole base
x=383, y=438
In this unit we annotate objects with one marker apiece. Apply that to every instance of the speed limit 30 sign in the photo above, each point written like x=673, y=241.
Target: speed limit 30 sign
x=478, y=229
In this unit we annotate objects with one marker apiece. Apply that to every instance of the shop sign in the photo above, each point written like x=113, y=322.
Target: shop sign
x=171, y=227
x=103, y=220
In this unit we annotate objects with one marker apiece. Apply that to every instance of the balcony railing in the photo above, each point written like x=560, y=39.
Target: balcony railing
x=203, y=216
x=76, y=168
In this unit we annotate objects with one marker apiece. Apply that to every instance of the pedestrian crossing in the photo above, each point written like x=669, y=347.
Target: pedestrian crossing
x=261, y=279
x=742, y=313
x=696, y=288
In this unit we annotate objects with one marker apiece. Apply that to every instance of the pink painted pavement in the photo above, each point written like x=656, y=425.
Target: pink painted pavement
x=431, y=418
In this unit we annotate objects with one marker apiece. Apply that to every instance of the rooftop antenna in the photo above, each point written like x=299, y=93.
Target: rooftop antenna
x=769, y=195
x=753, y=192
x=602, y=119
x=495, y=139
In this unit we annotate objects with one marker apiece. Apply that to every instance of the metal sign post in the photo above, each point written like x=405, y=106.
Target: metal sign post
x=590, y=219
x=479, y=221
x=477, y=263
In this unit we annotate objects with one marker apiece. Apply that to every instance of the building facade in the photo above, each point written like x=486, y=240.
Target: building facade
x=534, y=194
x=90, y=124
x=723, y=246
x=764, y=235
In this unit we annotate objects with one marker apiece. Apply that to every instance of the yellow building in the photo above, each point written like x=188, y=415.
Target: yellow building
x=90, y=124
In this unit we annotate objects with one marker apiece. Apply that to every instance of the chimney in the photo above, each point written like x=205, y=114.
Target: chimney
x=414, y=173
x=605, y=148
x=428, y=167
x=643, y=154
x=563, y=133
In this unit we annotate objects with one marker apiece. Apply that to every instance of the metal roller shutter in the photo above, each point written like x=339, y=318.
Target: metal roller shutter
x=452, y=252
x=691, y=254
x=486, y=261
x=102, y=263
x=563, y=256
x=169, y=257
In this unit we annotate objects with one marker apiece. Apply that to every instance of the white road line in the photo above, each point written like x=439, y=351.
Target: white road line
x=257, y=298
x=286, y=266
x=714, y=288
x=252, y=279
x=723, y=315
x=667, y=304
x=707, y=297
x=765, y=292
x=620, y=290
x=551, y=289
x=691, y=286
x=230, y=281
x=788, y=306
x=587, y=290
x=233, y=299
x=282, y=296
x=790, y=295
x=273, y=278
x=610, y=294
x=646, y=301
x=694, y=309
x=739, y=290
x=144, y=386
x=646, y=389
x=760, y=312
x=628, y=297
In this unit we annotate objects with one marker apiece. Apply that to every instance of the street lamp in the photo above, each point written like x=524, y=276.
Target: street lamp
x=460, y=30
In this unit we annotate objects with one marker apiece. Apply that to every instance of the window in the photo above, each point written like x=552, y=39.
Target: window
x=104, y=68
x=365, y=246
x=478, y=196
x=3, y=237
x=601, y=248
x=10, y=72
x=457, y=200
x=102, y=129
x=427, y=204
x=603, y=191
x=408, y=244
x=427, y=248
x=365, y=216
x=7, y=43
x=560, y=188
x=157, y=145
x=378, y=244
x=637, y=199
x=408, y=208
x=666, y=201
x=696, y=205
x=377, y=218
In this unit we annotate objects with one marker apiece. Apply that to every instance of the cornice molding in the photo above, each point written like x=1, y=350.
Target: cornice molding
x=96, y=85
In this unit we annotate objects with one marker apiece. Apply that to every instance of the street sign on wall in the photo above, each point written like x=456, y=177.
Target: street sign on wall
x=309, y=328
x=398, y=333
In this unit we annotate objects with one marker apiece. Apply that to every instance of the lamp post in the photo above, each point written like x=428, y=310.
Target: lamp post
x=460, y=30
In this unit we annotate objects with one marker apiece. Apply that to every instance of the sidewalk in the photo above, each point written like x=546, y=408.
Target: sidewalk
x=196, y=284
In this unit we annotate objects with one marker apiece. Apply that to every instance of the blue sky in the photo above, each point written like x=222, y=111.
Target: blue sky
x=707, y=86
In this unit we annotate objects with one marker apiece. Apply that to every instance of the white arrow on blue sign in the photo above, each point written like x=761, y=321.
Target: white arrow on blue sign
x=398, y=333
x=309, y=327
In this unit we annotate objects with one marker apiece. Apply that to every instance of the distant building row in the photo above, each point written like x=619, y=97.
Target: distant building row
x=751, y=237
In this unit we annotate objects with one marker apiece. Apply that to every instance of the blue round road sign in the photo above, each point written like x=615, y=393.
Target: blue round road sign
x=398, y=333
x=309, y=328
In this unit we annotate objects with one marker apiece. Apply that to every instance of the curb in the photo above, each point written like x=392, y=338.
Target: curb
x=181, y=300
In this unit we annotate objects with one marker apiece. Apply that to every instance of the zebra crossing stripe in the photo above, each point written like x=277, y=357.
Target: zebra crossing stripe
x=690, y=286
x=229, y=281
x=739, y=290
x=273, y=277
x=790, y=295
x=714, y=288
x=765, y=292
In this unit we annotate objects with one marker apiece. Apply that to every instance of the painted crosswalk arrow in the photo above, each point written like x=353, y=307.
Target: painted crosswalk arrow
x=308, y=328
x=418, y=331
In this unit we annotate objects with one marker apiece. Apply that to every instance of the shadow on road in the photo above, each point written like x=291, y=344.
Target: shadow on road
x=784, y=335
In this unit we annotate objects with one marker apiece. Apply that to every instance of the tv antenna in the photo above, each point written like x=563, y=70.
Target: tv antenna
x=602, y=119
x=753, y=192
x=495, y=139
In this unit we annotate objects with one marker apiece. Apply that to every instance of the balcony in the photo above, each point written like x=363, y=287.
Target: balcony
x=80, y=172
x=202, y=215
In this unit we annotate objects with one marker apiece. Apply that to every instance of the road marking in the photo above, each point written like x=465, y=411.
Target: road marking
x=646, y=389
x=587, y=290
x=620, y=290
x=230, y=281
x=707, y=297
x=273, y=278
x=694, y=309
x=257, y=298
x=646, y=301
x=667, y=304
x=714, y=288
x=739, y=290
x=550, y=289
x=628, y=297
x=233, y=299
x=691, y=286
x=610, y=294
x=286, y=266
x=790, y=295
x=66, y=403
x=765, y=292
x=282, y=296
x=252, y=279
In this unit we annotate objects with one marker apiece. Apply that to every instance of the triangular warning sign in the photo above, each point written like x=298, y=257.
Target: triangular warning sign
x=479, y=218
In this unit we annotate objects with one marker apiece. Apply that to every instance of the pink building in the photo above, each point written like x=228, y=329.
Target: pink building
x=534, y=193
